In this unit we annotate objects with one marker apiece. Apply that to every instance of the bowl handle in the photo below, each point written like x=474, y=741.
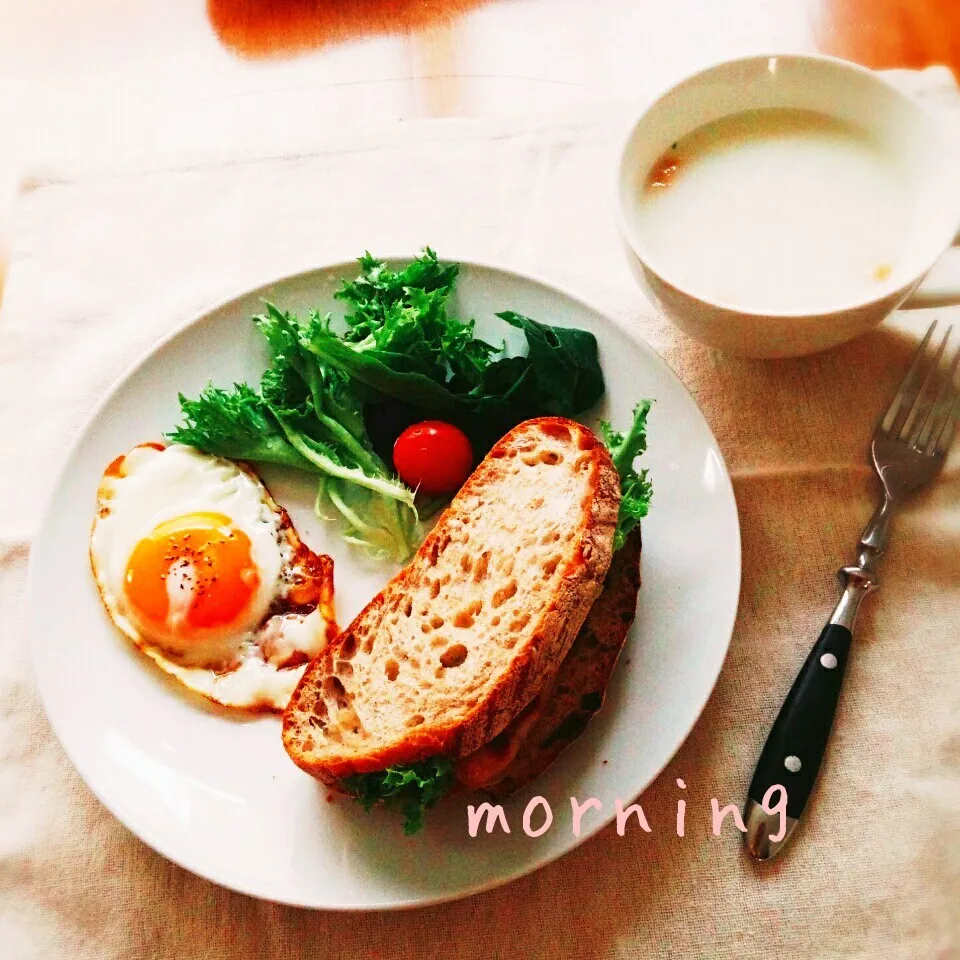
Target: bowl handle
x=948, y=296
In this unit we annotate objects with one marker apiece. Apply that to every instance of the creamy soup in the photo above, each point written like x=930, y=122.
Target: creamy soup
x=776, y=210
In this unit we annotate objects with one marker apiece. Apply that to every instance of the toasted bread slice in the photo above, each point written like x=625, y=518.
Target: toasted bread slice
x=561, y=712
x=462, y=639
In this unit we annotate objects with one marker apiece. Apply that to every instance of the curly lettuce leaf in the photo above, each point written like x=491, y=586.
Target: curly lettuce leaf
x=403, y=316
x=403, y=344
x=333, y=402
x=636, y=489
x=288, y=423
x=329, y=453
x=238, y=425
x=411, y=789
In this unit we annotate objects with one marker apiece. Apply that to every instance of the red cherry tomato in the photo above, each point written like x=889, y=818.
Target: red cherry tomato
x=433, y=456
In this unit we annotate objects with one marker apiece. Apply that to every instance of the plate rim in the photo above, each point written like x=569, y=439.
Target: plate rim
x=199, y=317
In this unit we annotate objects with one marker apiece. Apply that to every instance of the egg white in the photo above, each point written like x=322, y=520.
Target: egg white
x=244, y=663
x=162, y=485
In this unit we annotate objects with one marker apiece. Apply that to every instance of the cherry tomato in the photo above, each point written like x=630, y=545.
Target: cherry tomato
x=433, y=456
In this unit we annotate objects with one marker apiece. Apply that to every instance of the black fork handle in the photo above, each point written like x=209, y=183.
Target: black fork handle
x=786, y=774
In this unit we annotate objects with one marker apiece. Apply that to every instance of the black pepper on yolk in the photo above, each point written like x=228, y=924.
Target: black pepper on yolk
x=199, y=552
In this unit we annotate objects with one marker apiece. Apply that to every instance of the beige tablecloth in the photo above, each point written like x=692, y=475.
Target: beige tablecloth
x=104, y=262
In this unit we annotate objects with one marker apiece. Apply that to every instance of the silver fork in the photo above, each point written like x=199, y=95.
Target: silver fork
x=908, y=449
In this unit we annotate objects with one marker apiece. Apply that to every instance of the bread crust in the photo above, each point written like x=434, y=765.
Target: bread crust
x=580, y=685
x=556, y=623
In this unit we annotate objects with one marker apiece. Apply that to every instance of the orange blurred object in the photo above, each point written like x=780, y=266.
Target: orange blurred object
x=890, y=33
x=266, y=28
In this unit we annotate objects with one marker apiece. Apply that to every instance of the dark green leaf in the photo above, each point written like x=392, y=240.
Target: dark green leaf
x=410, y=789
x=565, y=376
x=402, y=343
x=370, y=368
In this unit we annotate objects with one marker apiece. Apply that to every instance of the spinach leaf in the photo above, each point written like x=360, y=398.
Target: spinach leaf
x=565, y=376
x=402, y=343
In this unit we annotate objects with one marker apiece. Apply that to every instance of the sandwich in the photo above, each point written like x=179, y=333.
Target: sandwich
x=488, y=654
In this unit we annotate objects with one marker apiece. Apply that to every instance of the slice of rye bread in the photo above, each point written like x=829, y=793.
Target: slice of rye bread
x=458, y=643
x=581, y=682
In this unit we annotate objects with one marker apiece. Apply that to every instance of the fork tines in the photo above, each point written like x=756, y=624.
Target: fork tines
x=925, y=408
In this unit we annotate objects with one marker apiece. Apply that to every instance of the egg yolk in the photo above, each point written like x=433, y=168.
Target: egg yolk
x=201, y=553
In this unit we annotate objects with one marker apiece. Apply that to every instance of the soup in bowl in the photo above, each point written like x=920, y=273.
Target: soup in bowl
x=775, y=206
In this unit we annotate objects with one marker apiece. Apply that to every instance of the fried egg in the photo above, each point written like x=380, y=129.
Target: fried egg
x=198, y=565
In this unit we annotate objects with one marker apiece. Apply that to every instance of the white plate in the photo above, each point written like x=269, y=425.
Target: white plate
x=219, y=795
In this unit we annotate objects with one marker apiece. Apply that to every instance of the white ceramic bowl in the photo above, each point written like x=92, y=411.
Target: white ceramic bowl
x=917, y=139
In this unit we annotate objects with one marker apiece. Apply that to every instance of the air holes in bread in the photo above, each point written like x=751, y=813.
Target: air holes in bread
x=348, y=648
x=334, y=690
x=549, y=457
x=464, y=619
x=550, y=567
x=485, y=644
x=483, y=565
x=559, y=431
x=349, y=720
x=505, y=593
x=454, y=655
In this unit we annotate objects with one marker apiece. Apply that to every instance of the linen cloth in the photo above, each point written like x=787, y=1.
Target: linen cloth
x=106, y=261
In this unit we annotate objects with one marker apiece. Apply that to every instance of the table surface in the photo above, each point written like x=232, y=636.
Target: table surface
x=77, y=79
